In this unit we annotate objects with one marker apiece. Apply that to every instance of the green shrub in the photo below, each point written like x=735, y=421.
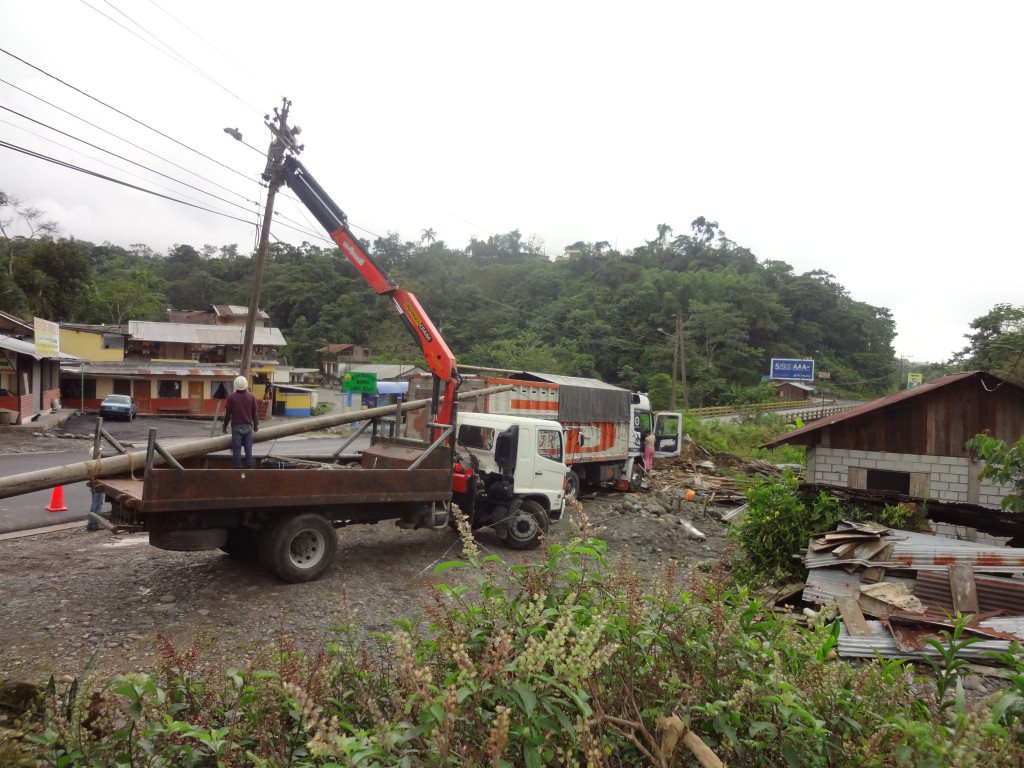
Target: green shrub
x=569, y=662
x=780, y=520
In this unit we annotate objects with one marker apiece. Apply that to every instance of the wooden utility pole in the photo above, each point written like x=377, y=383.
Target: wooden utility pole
x=675, y=365
x=272, y=175
x=680, y=345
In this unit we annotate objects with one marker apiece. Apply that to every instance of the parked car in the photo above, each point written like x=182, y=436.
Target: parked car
x=118, y=407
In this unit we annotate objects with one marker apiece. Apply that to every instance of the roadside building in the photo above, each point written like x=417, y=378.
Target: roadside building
x=29, y=371
x=337, y=359
x=912, y=442
x=793, y=390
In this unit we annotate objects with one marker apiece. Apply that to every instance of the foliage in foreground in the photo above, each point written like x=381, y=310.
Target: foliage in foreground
x=568, y=661
x=780, y=520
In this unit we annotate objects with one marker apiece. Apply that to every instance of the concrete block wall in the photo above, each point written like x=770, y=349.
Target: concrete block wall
x=949, y=476
x=966, y=533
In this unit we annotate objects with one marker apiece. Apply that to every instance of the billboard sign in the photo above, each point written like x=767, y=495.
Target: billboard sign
x=914, y=380
x=792, y=370
x=365, y=383
x=47, y=337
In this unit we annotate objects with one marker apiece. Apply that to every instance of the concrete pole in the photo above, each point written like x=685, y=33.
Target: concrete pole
x=275, y=160
x=29, y=482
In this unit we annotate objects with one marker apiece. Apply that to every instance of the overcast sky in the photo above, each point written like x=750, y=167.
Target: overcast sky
x=881, y=142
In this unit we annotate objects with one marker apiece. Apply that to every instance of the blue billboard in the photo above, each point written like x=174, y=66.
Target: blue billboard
x=793, y=370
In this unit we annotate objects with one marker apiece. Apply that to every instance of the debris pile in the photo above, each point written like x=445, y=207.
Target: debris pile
x=911, y=584
x=716, y=476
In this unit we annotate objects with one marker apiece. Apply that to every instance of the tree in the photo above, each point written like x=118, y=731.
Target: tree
x=429, y=237
x=997, y=343
x=13, y=213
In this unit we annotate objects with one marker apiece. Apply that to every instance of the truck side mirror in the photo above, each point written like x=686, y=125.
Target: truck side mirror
x=506, y=448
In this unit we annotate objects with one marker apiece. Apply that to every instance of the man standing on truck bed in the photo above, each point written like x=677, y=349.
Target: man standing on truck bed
x=240, y=413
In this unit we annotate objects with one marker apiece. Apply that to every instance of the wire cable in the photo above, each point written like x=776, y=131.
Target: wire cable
x=214, y=48
x=124, y=114
x=86, y=171
x=130, y=143
x=94, y=159
x=121, y=157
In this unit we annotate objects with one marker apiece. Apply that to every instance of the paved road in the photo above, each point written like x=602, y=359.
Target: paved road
x=29, y=510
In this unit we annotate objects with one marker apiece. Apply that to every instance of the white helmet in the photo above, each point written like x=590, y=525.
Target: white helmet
x=241, y=384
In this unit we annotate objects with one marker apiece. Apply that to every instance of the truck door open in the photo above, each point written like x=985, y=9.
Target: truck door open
x=668, y=435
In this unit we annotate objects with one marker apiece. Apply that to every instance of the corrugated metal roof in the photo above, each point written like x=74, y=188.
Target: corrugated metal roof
x=143, y=368
x=984, y=379
x=29, y=348
x=564, y=381
x=920, y=551
x=881, y=641
x=995, y=593
x=195, y=333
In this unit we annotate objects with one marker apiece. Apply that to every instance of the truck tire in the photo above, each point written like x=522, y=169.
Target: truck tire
x=191, y=540
x=528, y=524
x=572, y=486
x=242, y=544
x=299, y=548
x=636, y=478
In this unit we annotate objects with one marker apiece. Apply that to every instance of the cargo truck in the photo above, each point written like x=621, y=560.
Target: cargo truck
x=602, y=423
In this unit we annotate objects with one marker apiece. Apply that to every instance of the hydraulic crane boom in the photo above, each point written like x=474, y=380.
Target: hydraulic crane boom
x=438, y=357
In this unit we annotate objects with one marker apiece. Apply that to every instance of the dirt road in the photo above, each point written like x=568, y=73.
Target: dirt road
x=69, y=594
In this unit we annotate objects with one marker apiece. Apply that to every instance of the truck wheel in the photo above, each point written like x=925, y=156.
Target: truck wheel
x=529, y=522
x=299, y=548
x=572, y=486
x=636, y=478
x=191, y=540
x=241, y=544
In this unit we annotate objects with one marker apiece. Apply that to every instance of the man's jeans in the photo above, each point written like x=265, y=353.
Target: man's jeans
x=241, y=438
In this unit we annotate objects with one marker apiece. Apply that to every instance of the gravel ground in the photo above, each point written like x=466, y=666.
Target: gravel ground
x=69, y=594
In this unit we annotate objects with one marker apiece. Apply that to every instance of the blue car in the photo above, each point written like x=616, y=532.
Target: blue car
x=118, y=407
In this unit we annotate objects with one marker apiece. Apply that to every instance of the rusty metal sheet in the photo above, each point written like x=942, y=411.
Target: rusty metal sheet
x=911, y=632
x=995, y=593
x=919, y=551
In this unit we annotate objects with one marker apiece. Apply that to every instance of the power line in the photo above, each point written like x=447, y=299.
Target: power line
x=83, y=154
x=123, y=114
x=126, y=141
x=86, y=171
x=214, y=48
x=167, y=50
x=121, y=157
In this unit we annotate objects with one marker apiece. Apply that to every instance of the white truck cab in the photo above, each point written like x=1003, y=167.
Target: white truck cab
x=519, y=459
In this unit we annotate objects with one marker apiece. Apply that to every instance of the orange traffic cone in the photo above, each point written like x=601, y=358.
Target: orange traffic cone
x=57, y=500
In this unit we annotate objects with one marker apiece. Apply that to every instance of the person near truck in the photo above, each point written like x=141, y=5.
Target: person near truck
x=648, y=450
x=240, y=413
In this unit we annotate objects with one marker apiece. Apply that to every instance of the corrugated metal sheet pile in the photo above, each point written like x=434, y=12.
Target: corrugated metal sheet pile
x=911, y=584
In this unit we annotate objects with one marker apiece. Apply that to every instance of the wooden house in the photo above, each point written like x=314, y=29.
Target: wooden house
x=912, y=442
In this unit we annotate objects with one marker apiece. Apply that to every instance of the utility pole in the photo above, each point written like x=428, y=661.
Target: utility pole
x=271, y=175
x=675, y=365
x=682, y=362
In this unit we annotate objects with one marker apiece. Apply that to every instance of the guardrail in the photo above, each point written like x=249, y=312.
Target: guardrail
x=807, y=412
x=721, y=410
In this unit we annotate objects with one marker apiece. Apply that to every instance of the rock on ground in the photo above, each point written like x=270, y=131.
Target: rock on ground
x=70, y=594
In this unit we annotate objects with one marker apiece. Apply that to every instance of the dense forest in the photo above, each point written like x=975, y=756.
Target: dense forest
x=503, y=303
